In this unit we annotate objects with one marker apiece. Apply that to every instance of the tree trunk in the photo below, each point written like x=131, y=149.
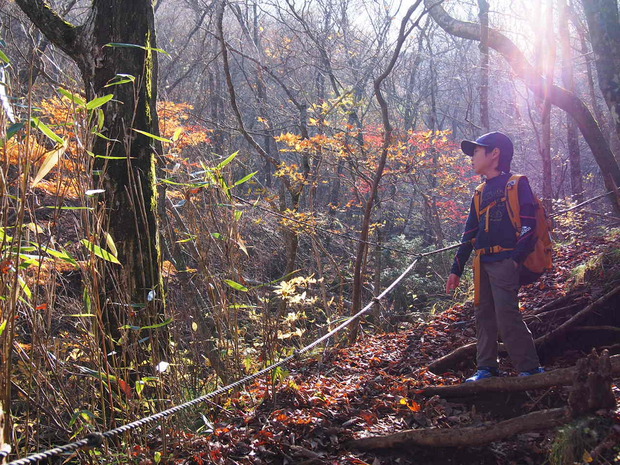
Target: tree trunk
x=133, y=291
x=362, y=248
x=572, y=137
x=604, y=29
x=483, y=14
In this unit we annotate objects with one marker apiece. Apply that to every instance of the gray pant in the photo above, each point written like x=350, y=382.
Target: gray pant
x=498, y=312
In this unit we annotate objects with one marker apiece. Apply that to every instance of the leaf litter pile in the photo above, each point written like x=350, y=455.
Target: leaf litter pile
x=373, y=387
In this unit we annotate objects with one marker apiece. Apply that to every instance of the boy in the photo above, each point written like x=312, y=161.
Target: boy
x=500, y=251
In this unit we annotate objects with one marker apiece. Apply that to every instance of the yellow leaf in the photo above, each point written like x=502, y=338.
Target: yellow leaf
x=51, y=159
x=242, y=246
x=587, y=457
x=177, y=134
x=35, y=228
x=110, y=243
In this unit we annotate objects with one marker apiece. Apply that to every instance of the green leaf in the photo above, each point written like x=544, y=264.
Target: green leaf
x=64, y=255
x=68, y=208
x=3, y=326
x=235, y=285
x=37, y=123
x=189, y=239
x=99, y=101
x=14, y=129
x=177, y=134
x=119, y=44
x=134, y=327
x=3, y=57
x=106, y=157
x=152, y=136
x=24, y=287
x=245, y=179
x=99, y=252
x=101, y=120
x=87, y=301
x=71, y=96
x=227, y=161
x=120, y=79
x=185, y=184
x=158, y=325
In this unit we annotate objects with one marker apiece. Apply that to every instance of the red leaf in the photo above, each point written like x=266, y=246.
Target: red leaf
x=126, y=388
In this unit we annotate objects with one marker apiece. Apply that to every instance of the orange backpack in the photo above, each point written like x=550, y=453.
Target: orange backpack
x=540, y=259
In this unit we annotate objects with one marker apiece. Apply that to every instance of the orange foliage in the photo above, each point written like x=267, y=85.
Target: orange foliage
x=173, y=125
x=17, y=152
x=70, y=121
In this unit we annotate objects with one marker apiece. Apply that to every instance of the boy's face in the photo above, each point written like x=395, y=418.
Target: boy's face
x=485, y=163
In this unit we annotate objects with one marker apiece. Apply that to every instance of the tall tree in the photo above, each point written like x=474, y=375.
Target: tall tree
x=572, y=136
x=558, y=96
x=483, y=14
x=604, y=29
x=546, y=65
x=118, y=38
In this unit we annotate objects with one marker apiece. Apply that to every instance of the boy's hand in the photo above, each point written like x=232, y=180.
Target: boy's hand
x=453, y=283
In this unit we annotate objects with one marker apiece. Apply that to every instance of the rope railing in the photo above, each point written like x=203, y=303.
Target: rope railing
x=96, y=439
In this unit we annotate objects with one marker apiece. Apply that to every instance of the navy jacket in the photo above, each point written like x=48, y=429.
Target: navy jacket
x=501, y=231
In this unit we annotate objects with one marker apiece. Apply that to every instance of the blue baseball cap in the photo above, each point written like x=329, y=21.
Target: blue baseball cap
x=492, y=140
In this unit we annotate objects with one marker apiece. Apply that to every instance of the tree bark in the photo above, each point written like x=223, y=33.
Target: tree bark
x=558, y=96
x=133, y=292
x=559, y=377
x=572, y=136
x=467, y=437
x=483, y=14
x=604, y=30
x=546, y=65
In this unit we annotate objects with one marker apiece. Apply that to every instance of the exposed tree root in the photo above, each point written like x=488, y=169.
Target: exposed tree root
x=560, y=377
x=471, y=436
x=591, y=379
x=575, y=320
x=552, y=311
x=554, y=304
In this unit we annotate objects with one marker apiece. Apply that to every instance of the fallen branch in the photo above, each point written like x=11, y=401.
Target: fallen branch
x=470, y=436
x=442, y=364
x=560, y=377
x=575, y=320
x=554, y=312
x=572, y=297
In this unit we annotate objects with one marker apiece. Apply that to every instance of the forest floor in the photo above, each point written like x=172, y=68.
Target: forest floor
x=374, y=387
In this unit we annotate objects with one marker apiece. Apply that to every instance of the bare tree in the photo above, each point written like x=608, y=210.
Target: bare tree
x=572, y=136
x=558, y=96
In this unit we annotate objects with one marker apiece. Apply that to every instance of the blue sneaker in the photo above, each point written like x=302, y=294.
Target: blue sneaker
x=535, y=371
x=483, y=373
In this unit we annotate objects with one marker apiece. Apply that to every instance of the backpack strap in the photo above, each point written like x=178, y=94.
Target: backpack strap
x=478, y=199
x=512, y=201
